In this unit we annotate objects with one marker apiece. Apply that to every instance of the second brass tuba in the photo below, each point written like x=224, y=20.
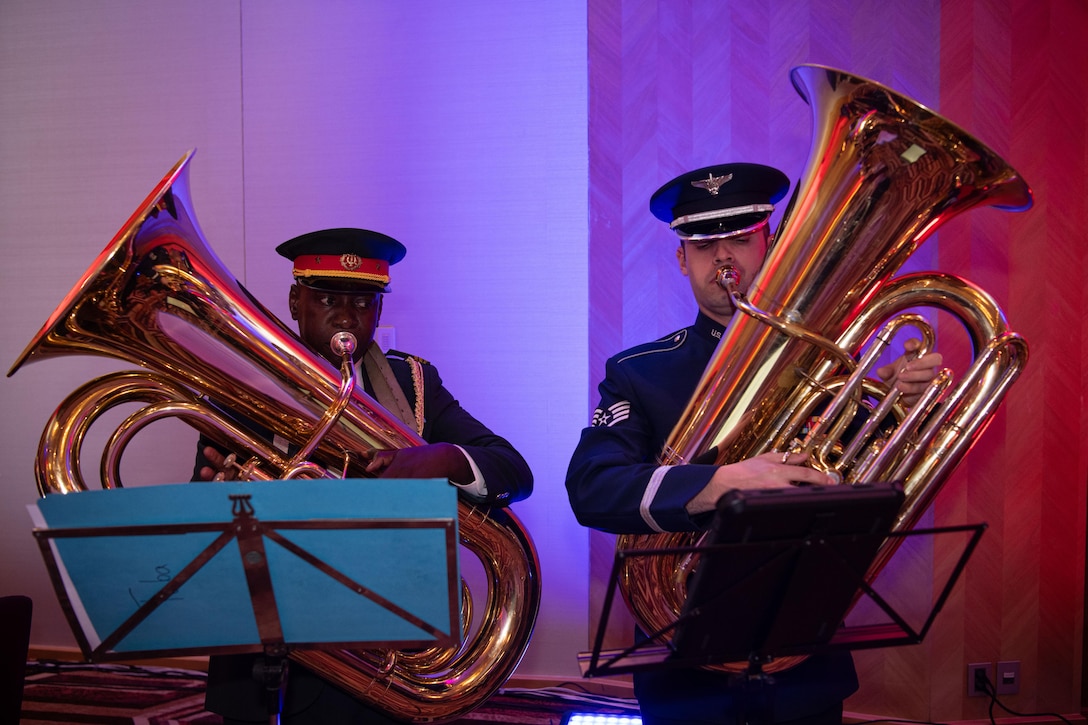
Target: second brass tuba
x=883, y=174
x=158, y=297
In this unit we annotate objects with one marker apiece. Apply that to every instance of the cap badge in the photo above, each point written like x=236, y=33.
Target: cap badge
x=350, y=262
x=712, y=183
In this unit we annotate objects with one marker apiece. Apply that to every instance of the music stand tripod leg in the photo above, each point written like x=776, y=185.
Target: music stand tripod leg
x=756, y=702
x=270, y=671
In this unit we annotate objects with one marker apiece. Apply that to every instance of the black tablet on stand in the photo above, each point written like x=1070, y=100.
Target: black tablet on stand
x=784, y=566
x=778, y=572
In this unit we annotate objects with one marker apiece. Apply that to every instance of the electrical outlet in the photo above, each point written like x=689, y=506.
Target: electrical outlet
x=386, y=337
x=1008, y=678
x=976, y=671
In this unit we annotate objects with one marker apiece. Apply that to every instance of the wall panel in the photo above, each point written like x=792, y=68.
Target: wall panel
x=459, y=128
x=704, y=82
x=99, y=101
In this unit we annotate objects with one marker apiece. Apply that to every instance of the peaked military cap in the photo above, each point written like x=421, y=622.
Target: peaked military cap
x=722, y=200
x=343, y=259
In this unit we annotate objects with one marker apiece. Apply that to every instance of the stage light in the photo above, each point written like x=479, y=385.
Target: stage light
x=585, y=718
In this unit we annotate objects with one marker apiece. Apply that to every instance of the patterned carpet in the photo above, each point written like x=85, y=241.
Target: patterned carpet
x=64, y=692
x=56, y=692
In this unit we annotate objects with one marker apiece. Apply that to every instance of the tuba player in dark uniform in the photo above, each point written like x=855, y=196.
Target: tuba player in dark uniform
x=341, y=277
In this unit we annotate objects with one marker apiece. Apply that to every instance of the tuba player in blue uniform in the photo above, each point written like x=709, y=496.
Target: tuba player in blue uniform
x=722, y=216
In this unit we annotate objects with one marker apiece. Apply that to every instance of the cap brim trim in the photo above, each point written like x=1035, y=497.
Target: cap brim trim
x=333, y=274
x=724, y=235
x=706, y=216
x=366, y=284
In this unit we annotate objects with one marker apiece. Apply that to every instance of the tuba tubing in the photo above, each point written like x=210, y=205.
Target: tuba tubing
x=158, y=297
x=883, y=174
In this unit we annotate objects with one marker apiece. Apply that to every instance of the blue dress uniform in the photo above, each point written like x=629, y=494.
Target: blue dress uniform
x=615, y=483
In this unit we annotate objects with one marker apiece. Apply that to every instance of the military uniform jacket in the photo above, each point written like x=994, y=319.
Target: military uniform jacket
x=614, y=481
x=503, y=469
x=615, y=484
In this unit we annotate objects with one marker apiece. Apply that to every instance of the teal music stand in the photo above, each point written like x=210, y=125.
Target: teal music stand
x=262, y=567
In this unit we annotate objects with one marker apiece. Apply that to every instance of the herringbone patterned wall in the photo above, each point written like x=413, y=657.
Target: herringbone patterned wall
x=678, y=85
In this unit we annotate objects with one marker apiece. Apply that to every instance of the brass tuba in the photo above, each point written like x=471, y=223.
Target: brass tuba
x=883, y=173
x=158, y=297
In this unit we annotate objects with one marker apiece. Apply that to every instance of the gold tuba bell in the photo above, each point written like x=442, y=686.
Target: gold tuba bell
x=883, y=173
x=158, y=297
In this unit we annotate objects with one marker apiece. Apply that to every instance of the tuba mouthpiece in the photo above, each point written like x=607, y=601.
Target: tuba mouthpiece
x=343, y=343
x=728, y=276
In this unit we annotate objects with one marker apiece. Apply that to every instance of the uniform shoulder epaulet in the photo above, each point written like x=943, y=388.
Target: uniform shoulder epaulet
x=398, y=355
x=662, y=344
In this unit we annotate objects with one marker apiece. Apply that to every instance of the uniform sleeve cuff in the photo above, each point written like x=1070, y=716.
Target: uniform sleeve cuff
x=477, y=487
x=670, y=489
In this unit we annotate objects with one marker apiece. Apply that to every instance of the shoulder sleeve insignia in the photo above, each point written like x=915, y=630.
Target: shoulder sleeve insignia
x=613, y=414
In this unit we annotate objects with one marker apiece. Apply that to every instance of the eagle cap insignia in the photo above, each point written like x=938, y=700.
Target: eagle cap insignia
x=350, y=262
x=712, y=183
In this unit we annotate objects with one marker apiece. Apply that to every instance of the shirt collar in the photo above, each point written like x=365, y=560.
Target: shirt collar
x=708, y=328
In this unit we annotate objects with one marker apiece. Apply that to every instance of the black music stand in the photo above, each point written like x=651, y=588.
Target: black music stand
x=265, y=567
x=767, y=552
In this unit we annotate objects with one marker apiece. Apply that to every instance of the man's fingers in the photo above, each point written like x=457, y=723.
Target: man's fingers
x=799, y=473
x=214, y=457
x=378, y=461
x=802, y=474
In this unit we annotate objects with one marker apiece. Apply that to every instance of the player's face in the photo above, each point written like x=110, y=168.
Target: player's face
x=321, y=314
x=701, y=260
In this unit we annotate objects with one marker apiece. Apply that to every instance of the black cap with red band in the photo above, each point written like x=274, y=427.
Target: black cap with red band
x=343, y=259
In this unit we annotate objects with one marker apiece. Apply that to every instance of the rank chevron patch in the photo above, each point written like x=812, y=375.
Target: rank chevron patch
x=615, y=413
